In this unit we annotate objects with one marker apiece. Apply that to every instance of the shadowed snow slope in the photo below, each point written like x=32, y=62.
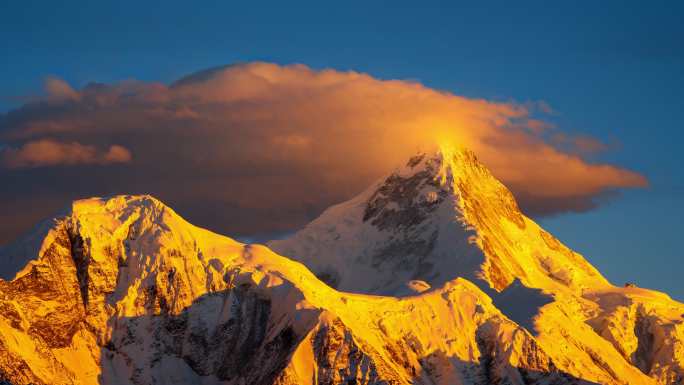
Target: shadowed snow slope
x=122, y=290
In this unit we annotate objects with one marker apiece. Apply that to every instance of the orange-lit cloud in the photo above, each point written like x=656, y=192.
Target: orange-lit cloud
x=59, y=90
x=46, y=152
x=265, y=147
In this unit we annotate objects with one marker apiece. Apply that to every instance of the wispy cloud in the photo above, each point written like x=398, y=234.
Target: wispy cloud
x=46, y=152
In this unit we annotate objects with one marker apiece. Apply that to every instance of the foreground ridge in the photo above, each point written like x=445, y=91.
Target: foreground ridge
x=122, y=290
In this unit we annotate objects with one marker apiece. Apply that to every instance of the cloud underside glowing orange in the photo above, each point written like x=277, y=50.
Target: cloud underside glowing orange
x=239, y=133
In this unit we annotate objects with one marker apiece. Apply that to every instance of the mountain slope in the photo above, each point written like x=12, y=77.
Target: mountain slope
x=124, y=291
x=443, y=216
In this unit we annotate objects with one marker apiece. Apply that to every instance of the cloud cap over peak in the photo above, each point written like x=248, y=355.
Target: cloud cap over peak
x=259, y=147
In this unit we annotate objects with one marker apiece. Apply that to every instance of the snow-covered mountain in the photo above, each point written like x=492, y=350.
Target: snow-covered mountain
x=444, y=215
x=122, y=290
x=437, y=217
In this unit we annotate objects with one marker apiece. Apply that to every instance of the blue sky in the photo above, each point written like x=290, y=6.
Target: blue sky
x=612, y=70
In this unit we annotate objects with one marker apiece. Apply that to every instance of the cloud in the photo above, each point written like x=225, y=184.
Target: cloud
x=116, y=154
x=580, y=144
x=46, y=152
x=58, y=90
x=261, y=147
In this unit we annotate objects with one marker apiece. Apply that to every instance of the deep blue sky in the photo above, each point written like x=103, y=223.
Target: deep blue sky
x=610, y=69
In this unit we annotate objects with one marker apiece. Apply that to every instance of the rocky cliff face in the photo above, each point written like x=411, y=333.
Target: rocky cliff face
x=124, y=291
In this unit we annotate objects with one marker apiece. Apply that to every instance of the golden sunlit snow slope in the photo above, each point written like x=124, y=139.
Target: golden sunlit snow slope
x=122, y=290
x=445, y=215
x=437, y=217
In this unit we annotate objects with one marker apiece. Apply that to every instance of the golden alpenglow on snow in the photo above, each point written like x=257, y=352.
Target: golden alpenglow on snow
x=341, y=193
x=430, y=276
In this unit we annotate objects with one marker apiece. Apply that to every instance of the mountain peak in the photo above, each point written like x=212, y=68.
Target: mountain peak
x=440, y=216
x=458, y=171
x=80, y=213
x=119, y=205
x=446, y=163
